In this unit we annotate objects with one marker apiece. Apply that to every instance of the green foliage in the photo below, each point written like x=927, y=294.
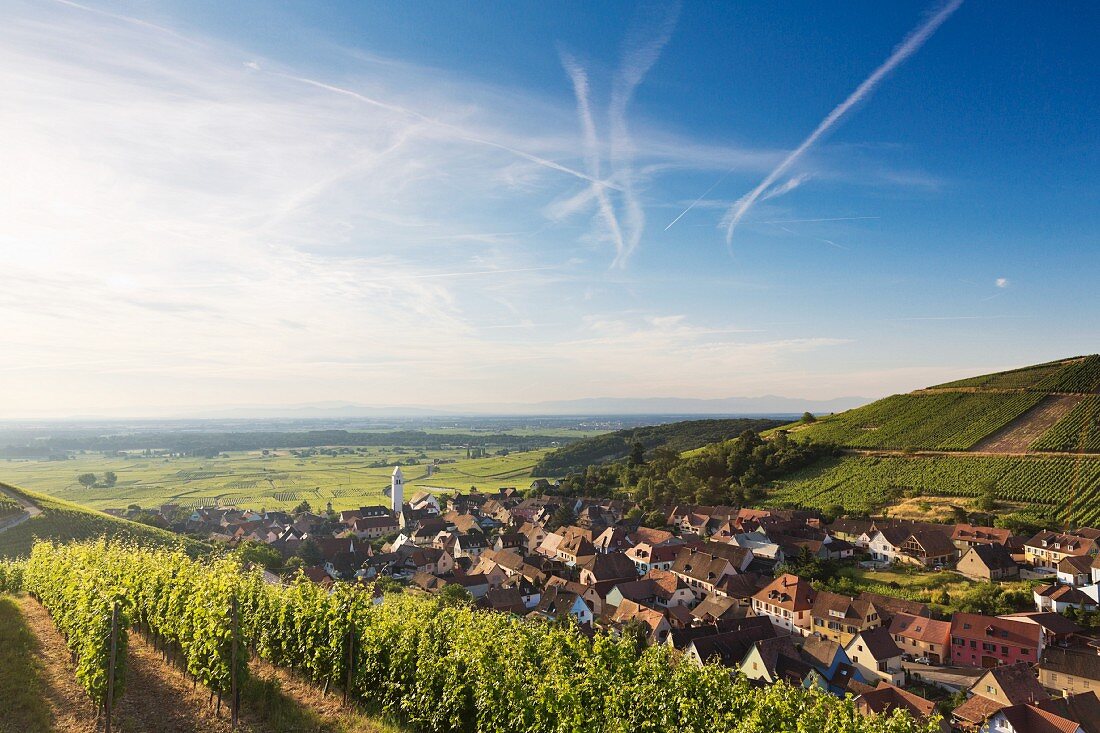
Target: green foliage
x=730, y=472
x=939, y=421
x=1079, y=430
x=9, y=508
x=87, y=480
x=303, y=506
x=1063, y=488
x=440, y=667
x=63, y=521
x=1078, y=374
x=259, y=555
x=677, y=437
x=808, y=417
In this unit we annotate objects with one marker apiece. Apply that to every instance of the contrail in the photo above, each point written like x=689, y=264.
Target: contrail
x=639, y=55
x=831, y=218
x=459, y=132
x=906, y=49
x=592, y=149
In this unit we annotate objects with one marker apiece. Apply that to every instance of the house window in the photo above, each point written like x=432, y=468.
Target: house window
x=1004, y=650
x=990, y=689
x=1053, y=677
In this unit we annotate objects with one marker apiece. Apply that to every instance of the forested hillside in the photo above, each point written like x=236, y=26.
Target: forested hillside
x=678, y=436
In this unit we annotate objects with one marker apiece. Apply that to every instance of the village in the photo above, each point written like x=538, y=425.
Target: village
x=715, y=584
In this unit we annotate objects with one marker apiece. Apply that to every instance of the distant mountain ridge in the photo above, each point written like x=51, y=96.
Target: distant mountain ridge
x=585, y=406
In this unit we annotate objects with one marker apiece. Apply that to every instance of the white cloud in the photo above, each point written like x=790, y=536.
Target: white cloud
x=1001, y=282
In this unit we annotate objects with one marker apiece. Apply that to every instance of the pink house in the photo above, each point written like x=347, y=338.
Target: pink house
x=986, y=641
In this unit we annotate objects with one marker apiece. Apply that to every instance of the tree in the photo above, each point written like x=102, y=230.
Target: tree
x=259, y=554
x=808, y=417
x=109, y=478
x=562, y=517
x=87, y=480
x=987, y=496
x=453, y=594
x=637, y=454
x=302, y=507
x=310, y=552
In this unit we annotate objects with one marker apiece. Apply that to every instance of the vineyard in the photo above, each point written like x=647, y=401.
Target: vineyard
x=9, y=508
x=1077, y=431
x=1066, y=488
x=936, y=421
x=63, y=521
x=1079, y=374
x=437, y=666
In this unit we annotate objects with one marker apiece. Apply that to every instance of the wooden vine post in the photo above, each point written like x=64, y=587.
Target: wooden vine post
x=351, y=661
x=235, y=691
x=109, y=703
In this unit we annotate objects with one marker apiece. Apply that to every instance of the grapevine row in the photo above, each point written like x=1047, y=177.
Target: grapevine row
x=440, y=667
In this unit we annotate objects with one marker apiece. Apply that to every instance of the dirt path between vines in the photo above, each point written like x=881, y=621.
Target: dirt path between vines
x=1019, y=434
x=159, y=698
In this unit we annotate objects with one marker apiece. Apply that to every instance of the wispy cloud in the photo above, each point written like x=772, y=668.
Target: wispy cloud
x=903, y=51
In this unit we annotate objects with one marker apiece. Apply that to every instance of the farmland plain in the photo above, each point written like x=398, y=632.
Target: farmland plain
x=278, y=480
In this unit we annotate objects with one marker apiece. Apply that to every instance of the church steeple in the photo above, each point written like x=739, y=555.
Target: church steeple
x=397, y=490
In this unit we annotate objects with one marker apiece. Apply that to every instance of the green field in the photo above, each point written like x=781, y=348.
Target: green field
x=276, y=481
x=1077, y=374
x=868, y=483
x=1077, y=431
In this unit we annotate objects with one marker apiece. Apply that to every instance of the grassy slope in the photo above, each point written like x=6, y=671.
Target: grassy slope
x=64, y=521
x=22, y=705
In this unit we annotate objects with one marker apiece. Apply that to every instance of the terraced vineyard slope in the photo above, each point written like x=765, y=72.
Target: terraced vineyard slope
x=1047, y=407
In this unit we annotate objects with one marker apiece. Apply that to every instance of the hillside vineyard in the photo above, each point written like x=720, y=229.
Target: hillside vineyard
x=438, y=667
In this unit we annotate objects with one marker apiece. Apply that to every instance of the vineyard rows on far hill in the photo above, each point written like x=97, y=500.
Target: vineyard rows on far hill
x=1077, y=431
x=938, y=421
x=439, y=666
x=1081, y=374
x=870, y=483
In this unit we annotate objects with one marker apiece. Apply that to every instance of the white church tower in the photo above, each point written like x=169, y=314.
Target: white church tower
x=397, y=490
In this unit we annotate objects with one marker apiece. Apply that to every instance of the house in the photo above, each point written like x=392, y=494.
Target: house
x=988, y=562
x=702, y=570
x=759, y=544
x=648, y=557
x=775, y=660
x=919, y=637
x=589, y=593
x=889, y=606
x=373, y=527
x=886, y=698
x=660, y=589
x=1083, y=708
x=609, y=568
x=558, y=602
x=924, y=547
x=999, y=688
x=1031, y=719
x=575, y=546
x=787, y=602
x=1070, y=670
x=477, y=585
x=716, y=607
x=1056, y=628
x=726, y=648
x=1058, y=598
x=984, y=641
x=1046, y=549
x=965, y=536
x=876, y=656
x=613, y=539
x=851, y=530
x=471, y=545
x=839, y=618
x=680, y=638
x=653, y=620
x=828, y=658
x=1075, y=570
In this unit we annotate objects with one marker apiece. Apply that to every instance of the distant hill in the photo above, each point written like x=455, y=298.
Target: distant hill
x=63, y=521
x=1052, y=407
x=678, y=436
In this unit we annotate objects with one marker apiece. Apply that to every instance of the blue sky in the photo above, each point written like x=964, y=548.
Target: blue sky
x=423, y=203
